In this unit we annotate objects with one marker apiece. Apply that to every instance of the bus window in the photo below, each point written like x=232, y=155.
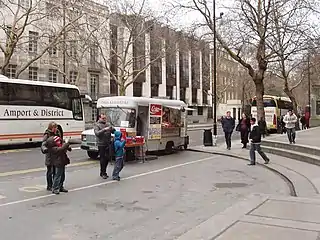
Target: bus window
x=267, y=103
x=24, y=94
x=285, y=104
x=77, y=109
x=3, y=93
x=56, y=97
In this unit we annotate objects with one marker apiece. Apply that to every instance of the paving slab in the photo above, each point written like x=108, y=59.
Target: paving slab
x=284, y=218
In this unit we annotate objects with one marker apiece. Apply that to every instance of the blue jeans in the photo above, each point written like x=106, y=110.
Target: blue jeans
x=257, y=147
x=291, y=132
x=118, y=166
x=59, y=177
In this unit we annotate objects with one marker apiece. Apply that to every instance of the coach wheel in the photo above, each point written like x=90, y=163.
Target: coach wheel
x=93, y=155
x=60, y=130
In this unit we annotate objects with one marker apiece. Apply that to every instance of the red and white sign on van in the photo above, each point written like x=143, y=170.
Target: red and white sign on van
x=155, y=110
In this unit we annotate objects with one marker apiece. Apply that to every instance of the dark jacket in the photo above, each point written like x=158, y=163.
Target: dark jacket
x=118, y=144
x=255, y=134
x=248, y=125
x=228, y=124
x=263, y=126
x=103, y=135
x=58, y=155
x=47, y=134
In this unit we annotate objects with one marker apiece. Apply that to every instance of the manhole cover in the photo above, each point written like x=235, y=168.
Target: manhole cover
x=230, y=185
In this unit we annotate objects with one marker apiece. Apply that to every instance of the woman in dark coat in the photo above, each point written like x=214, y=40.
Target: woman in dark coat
x=244, y=129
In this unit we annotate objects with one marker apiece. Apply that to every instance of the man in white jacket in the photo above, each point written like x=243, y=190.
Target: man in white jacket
x=290, y=120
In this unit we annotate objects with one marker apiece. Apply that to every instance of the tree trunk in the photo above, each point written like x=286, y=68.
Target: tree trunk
x=293, y=100
x=122, y=90
x=259, y=98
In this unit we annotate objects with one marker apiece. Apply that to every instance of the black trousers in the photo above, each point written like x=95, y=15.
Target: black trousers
x=227, y=136
x=104, y=152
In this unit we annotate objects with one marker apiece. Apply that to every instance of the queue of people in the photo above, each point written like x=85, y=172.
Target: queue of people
x=55, y=149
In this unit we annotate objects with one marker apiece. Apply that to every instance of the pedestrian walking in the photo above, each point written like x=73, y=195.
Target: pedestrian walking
x=119, y=153
x=51, y=131
x=263, y=127
x=103, y=130
x=255, y=137
x=228, y=125
x=244, y=128
x=290, y=120
x=282, y=125
x=303, y=122
x=59, y=158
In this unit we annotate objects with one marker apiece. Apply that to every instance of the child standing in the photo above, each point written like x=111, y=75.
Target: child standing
x=59, y=158
x=119, y=152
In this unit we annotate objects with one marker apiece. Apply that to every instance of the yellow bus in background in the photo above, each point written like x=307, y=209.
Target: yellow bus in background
x=274, y=108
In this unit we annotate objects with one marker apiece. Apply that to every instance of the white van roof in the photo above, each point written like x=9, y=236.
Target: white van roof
x=123, y=101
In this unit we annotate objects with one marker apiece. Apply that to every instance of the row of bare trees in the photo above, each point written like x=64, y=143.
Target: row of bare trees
x=263, y=36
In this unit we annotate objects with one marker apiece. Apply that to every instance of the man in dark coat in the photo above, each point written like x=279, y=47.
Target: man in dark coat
x=255, y=137
x=228, y=125
x=103, y=130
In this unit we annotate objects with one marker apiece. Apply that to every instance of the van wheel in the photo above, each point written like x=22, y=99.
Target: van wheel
x=93, y=155
x=169, y=147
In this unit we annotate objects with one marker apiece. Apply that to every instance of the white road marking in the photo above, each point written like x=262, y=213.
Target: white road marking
x=109, y=182
x=2, y=197
x=32, y=189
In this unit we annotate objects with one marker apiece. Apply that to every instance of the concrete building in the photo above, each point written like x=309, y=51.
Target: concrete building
x=174, y=65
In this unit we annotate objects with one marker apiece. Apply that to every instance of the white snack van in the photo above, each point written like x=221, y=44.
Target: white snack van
x=162, y=122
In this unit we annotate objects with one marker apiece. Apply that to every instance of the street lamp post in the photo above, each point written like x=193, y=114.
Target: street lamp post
x=214, y=95
x=309, y=84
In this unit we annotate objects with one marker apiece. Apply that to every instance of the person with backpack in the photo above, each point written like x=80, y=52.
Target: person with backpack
x=119, y=152
x=103, y=131
x=255, y=137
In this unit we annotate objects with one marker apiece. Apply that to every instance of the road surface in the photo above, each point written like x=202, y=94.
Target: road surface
x=159, y=199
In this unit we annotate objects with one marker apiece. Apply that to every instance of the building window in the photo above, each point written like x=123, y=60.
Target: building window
x=183, y=94
x=73, y=75
x=204, y=97
x=93, y=54
x=33, y=73
x=113, y=87
x=200, y=111
x=53, y=75
x=94, y=113
x=11, y=71
x=137, y=89
x=169, y=91
x=73, y=48
x=33, y=42
x=53, y=49
x=94, y=79
x=190, y=112
x=24, y=4
x=154, y=90
x=194, y=95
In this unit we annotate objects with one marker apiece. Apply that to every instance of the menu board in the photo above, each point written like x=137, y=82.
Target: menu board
x=155, y=120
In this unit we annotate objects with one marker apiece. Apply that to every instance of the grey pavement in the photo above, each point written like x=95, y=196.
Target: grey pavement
x=160, y=199
x=309, y=137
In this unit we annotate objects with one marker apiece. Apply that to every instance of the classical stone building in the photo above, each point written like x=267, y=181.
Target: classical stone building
x=176, y=66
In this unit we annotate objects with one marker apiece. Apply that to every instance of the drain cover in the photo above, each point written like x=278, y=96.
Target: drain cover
x=230, y=185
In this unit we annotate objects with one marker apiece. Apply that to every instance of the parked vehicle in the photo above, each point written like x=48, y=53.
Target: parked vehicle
x=27, y=107
x=161, y=122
